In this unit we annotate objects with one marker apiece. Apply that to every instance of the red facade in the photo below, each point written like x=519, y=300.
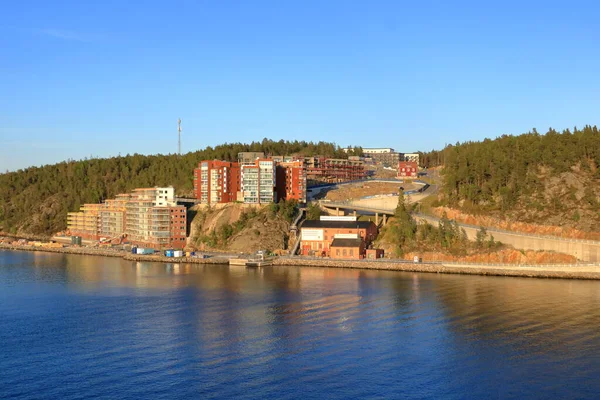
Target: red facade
x=320, y=244
x=407, y=169
x=291, y=181
x=177, y=227
x=217, y=181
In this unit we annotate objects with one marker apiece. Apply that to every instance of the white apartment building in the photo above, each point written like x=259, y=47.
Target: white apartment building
x=258, y=182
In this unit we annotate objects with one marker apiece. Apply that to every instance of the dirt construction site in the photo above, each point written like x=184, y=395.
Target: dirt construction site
x=358, y=190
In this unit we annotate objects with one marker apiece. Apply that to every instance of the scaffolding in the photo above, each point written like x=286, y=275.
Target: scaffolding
x=334, y=170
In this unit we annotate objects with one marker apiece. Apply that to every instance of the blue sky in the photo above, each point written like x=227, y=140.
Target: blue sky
x=102, y=78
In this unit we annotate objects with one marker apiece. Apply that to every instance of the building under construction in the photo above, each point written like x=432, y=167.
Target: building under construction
x=85, y=222
x=333, y=170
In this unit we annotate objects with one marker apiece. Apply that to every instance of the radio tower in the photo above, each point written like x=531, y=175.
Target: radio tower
x=179, y=132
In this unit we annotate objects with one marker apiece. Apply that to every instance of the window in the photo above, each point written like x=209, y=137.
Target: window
x=351, y=252
x=337, y=252
x=344, y=252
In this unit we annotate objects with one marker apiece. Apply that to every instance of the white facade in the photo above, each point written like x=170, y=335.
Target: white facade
x=414, y=157
x=380, y=150
x=258, y=182
x=337, y=218
x=164, y=196
x=311, y=234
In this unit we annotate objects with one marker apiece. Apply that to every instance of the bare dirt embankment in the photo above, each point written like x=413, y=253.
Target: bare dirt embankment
x=516, y=226
x=358, y=190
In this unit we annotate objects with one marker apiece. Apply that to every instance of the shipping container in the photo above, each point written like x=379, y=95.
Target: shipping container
x=169, y=253
x=178, y=253
x=134, y=250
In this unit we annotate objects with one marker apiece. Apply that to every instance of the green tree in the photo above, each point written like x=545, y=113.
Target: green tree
x=480, y=237
x=313, y=211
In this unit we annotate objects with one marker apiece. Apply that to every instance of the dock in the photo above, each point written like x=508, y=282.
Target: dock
x=250, y=262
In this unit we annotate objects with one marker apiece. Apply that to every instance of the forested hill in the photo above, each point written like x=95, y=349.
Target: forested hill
x=552, y=177
x=36, y=200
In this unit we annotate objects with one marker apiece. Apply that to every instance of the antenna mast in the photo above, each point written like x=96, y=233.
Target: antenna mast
x=179, y=132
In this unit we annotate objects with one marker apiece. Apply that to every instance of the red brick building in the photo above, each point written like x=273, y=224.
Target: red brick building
x=291, y=181
x=217, y=181
x=347, y=248
x=407, y=169
x=317, y=236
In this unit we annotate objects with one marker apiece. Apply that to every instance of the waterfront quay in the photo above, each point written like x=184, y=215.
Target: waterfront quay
x=557, y=271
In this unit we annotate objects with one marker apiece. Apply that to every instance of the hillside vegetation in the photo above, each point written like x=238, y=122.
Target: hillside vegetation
x=36, y=200
x=550, y=179
x=403, y=237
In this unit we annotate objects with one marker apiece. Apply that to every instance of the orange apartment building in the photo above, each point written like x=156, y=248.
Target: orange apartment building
x=112, y=217
x=317, y=236
x=85, y=222
x=217, y=181
x=148, y=217
x=155, y=220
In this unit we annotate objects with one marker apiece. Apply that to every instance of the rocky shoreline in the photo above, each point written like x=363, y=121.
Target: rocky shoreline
x=590, y=272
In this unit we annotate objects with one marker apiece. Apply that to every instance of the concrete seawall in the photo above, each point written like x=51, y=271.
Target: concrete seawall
x=163, y=259
x=561, y=272
x=530, y=271
x=83, y=251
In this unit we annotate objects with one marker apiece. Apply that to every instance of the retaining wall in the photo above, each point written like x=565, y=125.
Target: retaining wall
x=584, y=250
x=562, y=272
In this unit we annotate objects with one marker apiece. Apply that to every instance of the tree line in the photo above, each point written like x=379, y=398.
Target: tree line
x=36, y=200
x=495, y=174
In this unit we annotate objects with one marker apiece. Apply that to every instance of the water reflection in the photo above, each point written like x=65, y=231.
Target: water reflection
x=277, y=327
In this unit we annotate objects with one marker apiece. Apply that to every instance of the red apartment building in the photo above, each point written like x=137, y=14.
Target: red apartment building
x=177, y=226
x=291, y=181
x=407, y=169
x=217, y=181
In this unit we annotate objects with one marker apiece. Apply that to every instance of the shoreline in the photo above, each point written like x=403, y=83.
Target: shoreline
x=83, y=251
x=585, y=272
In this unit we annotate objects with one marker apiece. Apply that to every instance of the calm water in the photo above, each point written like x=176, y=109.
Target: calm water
x=74, y=327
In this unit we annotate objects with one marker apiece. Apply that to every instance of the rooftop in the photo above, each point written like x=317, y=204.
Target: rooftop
x=338, y=224
x=346, y=242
